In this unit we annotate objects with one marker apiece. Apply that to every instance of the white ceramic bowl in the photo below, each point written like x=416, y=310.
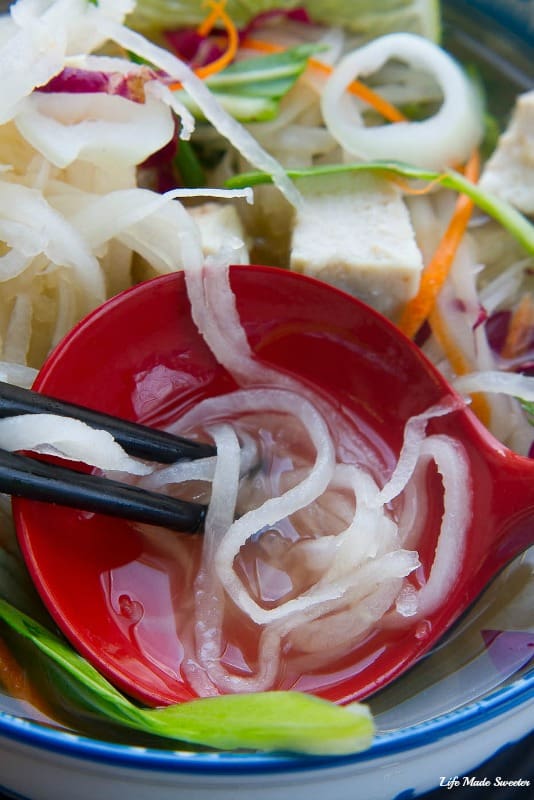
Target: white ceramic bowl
x=466, y=701
x=42, y=764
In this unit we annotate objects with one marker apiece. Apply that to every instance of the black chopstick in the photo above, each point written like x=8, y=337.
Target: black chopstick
x=138, y=440
x=23, y=476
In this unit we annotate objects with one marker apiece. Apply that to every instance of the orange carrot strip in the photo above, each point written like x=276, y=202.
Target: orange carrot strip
x=14, y=679
x=207, y=24
x=232, y=45
x=403, y=184
x=435, y=274
x=357, y=88
x=204, y=29
x=363, y=92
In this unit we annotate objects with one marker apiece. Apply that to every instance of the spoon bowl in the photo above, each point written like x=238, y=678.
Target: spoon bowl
x=117, y=595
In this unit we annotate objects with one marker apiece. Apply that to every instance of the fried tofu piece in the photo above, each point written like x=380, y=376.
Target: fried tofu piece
x=355, y=233
x=509, y=172
x=218, y=223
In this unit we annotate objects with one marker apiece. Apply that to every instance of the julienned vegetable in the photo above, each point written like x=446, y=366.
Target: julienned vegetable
x=516, y=223
x=269, y=721
x=435, y=274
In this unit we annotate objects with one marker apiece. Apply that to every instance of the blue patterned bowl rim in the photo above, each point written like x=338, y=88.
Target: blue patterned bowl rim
x=495, y=705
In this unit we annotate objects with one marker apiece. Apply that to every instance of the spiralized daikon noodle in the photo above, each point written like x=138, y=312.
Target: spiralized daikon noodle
x=69, y=438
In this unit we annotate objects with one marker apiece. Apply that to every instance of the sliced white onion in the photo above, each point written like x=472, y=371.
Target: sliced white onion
x=97, y=127
x=445, y=139
x=32, y=55
x=223, y=122
x=19, y=329
x=59, y=240
x=41, y=36
x=17, y=374
x=146, y=222
x=513, y=384
x=161, y=92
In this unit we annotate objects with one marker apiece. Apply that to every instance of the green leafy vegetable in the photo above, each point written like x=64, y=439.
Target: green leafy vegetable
x=270, y=75
x=251, y=90
x=364, y=17
x=290, y=721
x=508, y=216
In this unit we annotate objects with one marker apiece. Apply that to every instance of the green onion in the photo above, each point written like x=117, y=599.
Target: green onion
x=508, y=216
x=284, y=720
x=188, y=165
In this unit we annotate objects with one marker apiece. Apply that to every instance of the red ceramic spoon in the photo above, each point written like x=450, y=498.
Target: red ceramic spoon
x=119, y=596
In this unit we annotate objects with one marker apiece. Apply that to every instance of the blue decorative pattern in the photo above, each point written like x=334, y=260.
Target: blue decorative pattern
x=408, y=794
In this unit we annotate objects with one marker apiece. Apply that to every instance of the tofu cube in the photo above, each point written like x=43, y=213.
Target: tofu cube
x=355, y=233
x=509, y=173
x=219, y=224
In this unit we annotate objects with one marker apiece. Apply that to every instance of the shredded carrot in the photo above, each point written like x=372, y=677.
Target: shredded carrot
x=204, y=29
x=357, y=88
x=520, y=329
x=207, y=24
x=435, y=273
x=363, y=92
x=218, y=12
x=14, y=679
x=423, y=305
x=403, y=184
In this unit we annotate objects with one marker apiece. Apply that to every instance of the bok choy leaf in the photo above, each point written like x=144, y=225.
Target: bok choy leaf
x=284, y=720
